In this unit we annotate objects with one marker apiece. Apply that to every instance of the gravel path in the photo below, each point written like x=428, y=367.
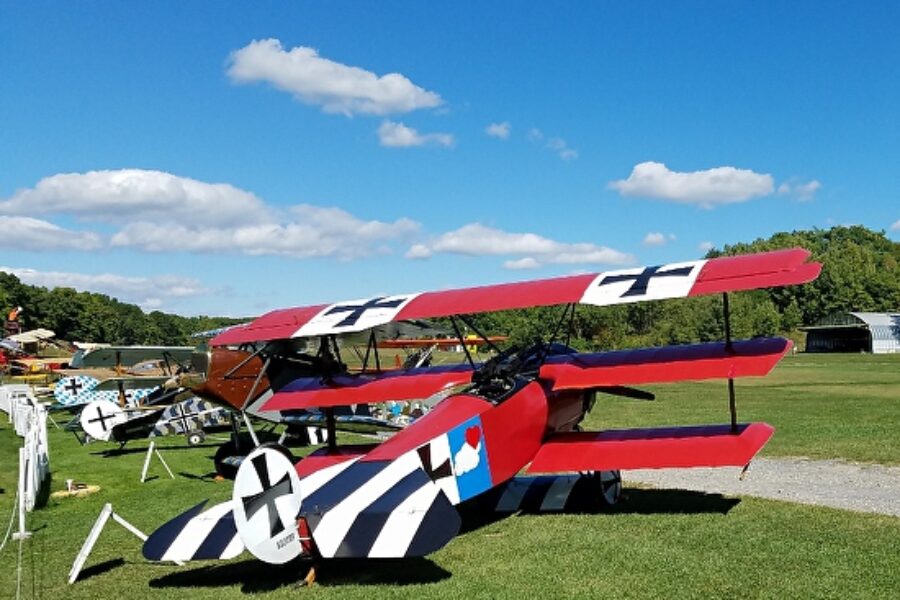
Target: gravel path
x=850, y=486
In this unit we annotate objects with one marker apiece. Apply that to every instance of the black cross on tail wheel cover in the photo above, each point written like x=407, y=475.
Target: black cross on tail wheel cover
x=266, y=501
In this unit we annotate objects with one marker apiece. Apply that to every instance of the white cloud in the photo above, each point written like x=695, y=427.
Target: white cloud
x=476, y=239
x=499, y=130
x=144, y=291
x=336, y=87
x=418, y=251
x=655, y=238
x=522, y=263
x=560, y=146
x=801, y=191
x=896, y=226
x=160, y=212
x=705, y=246
x=554, y=144
x=317, y=232
x=721, y=185
x=136, y=194
x=398, y=135
x=26, y=233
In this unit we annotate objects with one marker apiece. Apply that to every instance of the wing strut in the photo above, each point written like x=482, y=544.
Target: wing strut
x=372, y=345
x=253, y=355
x=565, y=313
x=471, y=325
x=330, y=429
x=732, y=406
x=462, y=341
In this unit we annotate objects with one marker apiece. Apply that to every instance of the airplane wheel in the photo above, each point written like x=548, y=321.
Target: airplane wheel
x=227, y=458
x=195, y=438
x=610, y=486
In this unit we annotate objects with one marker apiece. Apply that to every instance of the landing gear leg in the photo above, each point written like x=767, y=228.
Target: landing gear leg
x=310, y=578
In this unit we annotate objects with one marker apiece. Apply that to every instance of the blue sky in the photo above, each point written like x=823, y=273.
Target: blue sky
x=230, y=158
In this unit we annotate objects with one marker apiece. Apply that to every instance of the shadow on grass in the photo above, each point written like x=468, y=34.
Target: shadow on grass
x=206, y=477
x=678, y=502
x=255, y=576
x=100, y=569
x=112, y=452
x=476, y=515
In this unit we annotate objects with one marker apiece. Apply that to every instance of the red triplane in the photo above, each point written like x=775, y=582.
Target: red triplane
x=518, y=411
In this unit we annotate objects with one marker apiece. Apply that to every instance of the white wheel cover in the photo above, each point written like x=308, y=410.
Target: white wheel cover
x=99, y=417
x=266, y=500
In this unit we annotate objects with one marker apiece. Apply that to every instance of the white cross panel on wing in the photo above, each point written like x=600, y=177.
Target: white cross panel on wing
x=651, y=283
x=355, y=315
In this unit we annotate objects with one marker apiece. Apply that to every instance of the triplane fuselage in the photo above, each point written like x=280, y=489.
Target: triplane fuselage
x=519, y=411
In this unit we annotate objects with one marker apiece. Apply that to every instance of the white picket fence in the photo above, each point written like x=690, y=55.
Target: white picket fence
x=29, y=419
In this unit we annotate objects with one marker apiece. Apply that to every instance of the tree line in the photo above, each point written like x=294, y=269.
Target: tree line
x=91, y=317
x=861, y=272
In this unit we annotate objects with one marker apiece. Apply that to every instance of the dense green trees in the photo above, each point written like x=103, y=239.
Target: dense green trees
x=861, y=272
x=83, y=316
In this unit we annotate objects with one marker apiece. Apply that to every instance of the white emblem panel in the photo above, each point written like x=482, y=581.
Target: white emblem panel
x=643, y=283
x=355, y=315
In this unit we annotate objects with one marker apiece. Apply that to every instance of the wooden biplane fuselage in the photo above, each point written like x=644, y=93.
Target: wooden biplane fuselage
x=519, y=411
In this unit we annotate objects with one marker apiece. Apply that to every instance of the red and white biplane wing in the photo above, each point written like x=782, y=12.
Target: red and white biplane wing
x=676, y=280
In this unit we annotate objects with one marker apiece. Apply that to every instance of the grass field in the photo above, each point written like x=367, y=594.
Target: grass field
x=654, y=544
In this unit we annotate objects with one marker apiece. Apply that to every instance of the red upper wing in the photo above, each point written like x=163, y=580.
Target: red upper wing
x=732, y=273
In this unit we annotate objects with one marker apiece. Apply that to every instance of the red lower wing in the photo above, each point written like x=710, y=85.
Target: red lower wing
x=672, y=447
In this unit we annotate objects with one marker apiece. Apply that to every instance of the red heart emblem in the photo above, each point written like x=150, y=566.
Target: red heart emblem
x=473, y=435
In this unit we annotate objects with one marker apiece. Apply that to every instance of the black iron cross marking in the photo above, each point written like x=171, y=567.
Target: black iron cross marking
x=102, y=418
x=74, y=386
x=357, y=310
x=183, y=418
x=642, y=279
x=434, y=473
x=266, y=498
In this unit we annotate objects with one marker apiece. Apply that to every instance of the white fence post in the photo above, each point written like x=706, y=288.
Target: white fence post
x=29, y=419
x=23, y=483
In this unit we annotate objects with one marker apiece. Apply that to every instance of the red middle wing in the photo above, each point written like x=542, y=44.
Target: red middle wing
x=744, y=358
x=411, y=384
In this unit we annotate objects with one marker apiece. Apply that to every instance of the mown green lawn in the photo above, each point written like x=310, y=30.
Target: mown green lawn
x=656, y=543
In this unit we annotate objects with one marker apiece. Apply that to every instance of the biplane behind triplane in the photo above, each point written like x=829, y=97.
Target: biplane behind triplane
x=135, y=403
x=520, y=410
